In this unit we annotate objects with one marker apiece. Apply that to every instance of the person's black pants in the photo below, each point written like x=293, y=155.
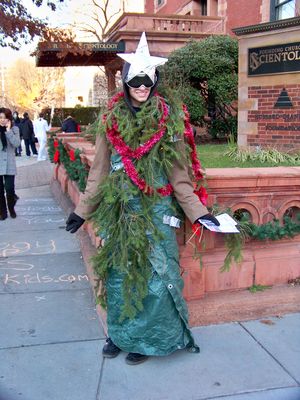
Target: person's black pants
x=7, y=184
x=18, y=150
x=29, y=143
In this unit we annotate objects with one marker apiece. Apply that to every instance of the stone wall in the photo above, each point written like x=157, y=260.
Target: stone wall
x=264, y=193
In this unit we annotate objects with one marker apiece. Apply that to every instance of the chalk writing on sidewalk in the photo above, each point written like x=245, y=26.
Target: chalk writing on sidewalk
x=12, y=249
x=18, y=279
x=15, y=265
x=45, y=209
x=41, y=219
x=19, y=272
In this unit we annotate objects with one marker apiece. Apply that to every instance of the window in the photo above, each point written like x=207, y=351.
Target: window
x=160, y=2
x=203, y=4
x=282, y=9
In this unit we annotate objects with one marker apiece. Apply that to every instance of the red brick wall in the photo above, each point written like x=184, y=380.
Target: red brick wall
x=170, y=6
x=238, y=12
x=149, y=6
x=242, y=13
x=276, y=127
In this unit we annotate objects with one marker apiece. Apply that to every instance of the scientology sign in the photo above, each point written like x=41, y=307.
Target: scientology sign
x=277, y=59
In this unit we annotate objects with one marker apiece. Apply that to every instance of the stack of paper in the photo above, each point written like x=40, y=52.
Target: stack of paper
x=227, y=224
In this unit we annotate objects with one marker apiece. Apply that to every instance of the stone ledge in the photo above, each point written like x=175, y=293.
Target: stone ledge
x=242, y=305
x=213, y=308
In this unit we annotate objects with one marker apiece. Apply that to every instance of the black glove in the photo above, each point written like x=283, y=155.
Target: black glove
x=209, y=217
x=74, y=222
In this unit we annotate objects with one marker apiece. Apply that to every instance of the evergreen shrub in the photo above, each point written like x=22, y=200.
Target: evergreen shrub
x=82, y=115
x=206, y=75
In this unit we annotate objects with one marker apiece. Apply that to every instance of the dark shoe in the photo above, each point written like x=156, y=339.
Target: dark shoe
x=135, y=358
x=11, y=201
x=110, y=350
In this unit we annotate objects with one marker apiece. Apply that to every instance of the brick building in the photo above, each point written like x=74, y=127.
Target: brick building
x=234, y=12
x=169, y=24
x=269, y=63
x=269, y=89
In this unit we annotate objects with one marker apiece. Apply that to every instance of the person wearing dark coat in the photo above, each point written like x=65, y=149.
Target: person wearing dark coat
x=26, y=130
x=17, y=122
x=69, y=125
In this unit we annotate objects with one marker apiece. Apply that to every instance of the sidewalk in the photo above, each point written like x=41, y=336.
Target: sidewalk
x=51, y=337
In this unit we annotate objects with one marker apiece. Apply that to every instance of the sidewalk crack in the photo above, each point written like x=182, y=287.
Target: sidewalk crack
x=100, y=379
x=269, y=353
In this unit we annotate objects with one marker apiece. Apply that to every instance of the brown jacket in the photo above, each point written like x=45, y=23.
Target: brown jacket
x=179, y=179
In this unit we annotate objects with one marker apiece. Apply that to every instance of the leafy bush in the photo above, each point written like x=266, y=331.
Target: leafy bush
x=82, y=115
x=206, y=74
x=220, y=128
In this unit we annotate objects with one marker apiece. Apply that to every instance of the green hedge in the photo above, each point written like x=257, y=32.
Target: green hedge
x=82, y=115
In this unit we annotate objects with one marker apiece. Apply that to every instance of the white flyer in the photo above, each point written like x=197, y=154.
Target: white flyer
x=227, y=224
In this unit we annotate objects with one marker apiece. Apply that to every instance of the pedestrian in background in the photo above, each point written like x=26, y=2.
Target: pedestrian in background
x=40, y=128
x=10, y=140
x=17, y=122
x=26, y=130
x=69, y=125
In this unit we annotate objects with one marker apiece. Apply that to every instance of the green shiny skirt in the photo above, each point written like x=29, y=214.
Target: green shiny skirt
x=162, y=327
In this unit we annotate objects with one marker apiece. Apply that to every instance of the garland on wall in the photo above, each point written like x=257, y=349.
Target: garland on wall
x=234, y=242
x=273, y=230
x=71, y=160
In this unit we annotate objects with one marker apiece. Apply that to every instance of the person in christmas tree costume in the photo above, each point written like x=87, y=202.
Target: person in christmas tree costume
x=137, y=186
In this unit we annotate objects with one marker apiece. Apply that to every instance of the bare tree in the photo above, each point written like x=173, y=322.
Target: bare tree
x=94, y=24
x=97, y=19
x=18, y=26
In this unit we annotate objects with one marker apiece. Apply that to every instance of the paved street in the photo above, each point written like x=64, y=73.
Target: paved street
x=51, y=338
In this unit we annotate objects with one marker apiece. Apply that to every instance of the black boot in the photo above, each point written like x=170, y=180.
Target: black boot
x=3, y=209
x=11, y=201
x=135, y=358
x=110, y=350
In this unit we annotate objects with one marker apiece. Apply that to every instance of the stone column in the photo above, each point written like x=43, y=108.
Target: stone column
x=269, y=76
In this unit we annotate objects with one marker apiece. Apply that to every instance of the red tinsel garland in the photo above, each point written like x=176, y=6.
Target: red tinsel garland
x=188, y=133
x=128, y=154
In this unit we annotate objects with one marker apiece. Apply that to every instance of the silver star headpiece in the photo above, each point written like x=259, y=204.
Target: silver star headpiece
x=141, y=62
